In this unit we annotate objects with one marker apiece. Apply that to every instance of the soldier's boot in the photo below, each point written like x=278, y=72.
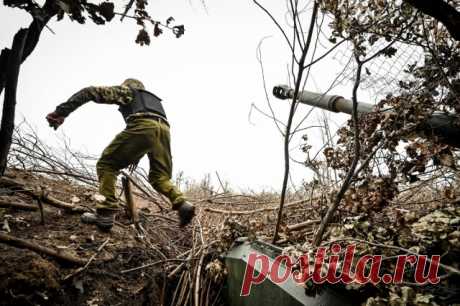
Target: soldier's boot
x=186, y=212
x=103, y=219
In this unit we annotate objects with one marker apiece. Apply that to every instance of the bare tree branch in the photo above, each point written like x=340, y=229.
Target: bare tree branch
x=291, y=115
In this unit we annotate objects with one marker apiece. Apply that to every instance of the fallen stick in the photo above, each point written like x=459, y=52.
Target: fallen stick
x=150, y=265
x=238, y=212
x=60, y=204
x=17, y=205
x=138, y=186
x=301, y=225
x=40, y=205
x=79, y=270
x=38, y=195
x=25, y=244
x=247, y=212
x=179, y=267
x=220, y=182
x=284, y=240
x=197, y=280
x=131, y=205
x=158, y=216
x=176, y=291
x=85, y=179
x=185, y=292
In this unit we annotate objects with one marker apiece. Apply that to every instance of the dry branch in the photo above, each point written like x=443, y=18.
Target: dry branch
x=248, y=212
x=292, y=110
x=25, y=244
x=197, y=280
x=79, y=270
x=351, y=171
x=150, y=265
x=61, y=204
x=301, y=225
x=17, y=205
x=38, y=195
x=131, y=205
x=144, y=191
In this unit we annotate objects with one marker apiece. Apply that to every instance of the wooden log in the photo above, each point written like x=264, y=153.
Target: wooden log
x=25, y=244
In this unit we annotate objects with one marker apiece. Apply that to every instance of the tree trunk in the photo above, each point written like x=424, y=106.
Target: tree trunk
x=3, y=63
x=48, y=11
x=441, y=11
x=9, y=105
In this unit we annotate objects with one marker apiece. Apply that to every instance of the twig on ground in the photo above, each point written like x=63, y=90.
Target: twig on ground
x=301, y=225
x=40, y=205
x=25, y=244
x=131, y=205
x=43, y=196
x=17, y=205
x=152, y=264
x=142, y=189
x=249, y=212
x=197, y=280
x=79, y=270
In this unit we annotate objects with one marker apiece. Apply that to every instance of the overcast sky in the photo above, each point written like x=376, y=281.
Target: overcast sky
x=208, y=80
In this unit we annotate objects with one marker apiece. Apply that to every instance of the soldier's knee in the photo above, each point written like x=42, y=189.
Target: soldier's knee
x=156, y=184
x=100, y=166
x=161, y=184
x=104, y=166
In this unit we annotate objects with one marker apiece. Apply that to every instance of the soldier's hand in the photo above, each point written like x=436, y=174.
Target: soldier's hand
x=55, y=120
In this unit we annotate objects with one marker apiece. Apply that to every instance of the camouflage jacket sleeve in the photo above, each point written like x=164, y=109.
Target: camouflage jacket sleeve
x=119, y=95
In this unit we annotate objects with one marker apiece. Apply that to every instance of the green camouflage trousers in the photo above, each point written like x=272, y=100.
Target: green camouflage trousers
x=141, y=136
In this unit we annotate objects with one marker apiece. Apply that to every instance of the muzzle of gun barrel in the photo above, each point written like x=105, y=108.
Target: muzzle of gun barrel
x=281, y=92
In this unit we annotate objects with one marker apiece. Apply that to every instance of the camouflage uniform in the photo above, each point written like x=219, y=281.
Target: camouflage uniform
x=141, y=136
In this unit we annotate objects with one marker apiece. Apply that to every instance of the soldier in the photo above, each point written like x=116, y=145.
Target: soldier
x=146, y=132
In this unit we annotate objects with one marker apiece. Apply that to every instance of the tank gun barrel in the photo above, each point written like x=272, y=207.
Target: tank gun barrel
x=331, y=103
x=442, y=125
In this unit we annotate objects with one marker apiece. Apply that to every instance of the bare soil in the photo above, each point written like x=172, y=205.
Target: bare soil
x=30, y=278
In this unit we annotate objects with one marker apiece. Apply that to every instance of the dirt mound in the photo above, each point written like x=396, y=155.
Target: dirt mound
x=26, y=277
x=35, y=278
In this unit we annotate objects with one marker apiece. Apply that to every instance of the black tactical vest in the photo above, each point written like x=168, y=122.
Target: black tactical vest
x=144, y=102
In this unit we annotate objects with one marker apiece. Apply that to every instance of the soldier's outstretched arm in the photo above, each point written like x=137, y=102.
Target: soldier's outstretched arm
x=119, y=95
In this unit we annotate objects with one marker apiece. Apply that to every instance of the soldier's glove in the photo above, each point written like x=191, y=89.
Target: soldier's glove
x=55, y=120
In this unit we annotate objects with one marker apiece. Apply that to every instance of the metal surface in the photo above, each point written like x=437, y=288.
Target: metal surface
x=331, y=103
x=442, y=125
x=267, y=293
